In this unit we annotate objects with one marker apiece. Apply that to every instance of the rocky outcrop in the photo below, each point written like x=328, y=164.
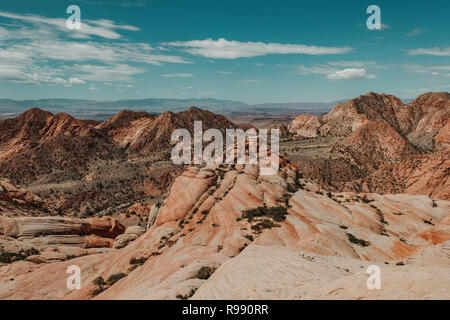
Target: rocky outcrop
x=375, y=143
x=274, y=272
x=45, y=232
x=82, y=167
x=215, y=244
x=14, y=199
x=131, y=234
x=305, y=125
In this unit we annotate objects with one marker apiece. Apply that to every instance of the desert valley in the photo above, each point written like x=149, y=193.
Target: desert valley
x=364, y=184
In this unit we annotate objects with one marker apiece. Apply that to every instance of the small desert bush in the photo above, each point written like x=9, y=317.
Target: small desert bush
x=357, y=241
x=204, y=272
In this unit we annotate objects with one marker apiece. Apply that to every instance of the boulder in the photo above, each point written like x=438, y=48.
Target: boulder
x=105, y=227
x=13, y=250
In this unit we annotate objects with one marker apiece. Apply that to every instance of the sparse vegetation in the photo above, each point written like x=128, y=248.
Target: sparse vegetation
x=365, y=200
x=138, y=261
x=205, y=272
x=101, y=285
x=291, y=188
x=114, y=278
x=243, y=247
x=265, y=224
x=276, y=213
x=189, y=295
x=357, y=241
x=249, y=237
x=8, y=257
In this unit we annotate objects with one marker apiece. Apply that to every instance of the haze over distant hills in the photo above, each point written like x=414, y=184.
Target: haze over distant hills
x=102, y=110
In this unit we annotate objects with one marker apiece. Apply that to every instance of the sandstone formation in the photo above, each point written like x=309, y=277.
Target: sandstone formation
x=31, y=238
x=131, y=234
x=87, y=168
x=302, y=243
x=368, y=186
x=305, y=126
x=375, y=143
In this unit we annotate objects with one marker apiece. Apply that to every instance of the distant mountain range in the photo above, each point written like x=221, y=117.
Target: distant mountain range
x=101, y=110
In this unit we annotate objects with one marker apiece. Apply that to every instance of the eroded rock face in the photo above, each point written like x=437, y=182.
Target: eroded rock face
x=274, y=272
x=52, y=239
x=131, y=234
x=40, y=226
x=16, y=199
x=13, y=250
x=305, y=126
x=375, y=143
x=198, y=249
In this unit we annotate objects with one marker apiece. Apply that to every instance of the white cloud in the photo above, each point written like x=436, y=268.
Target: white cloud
x=347, y=74
x=224, y=72
x=435, y=51
x=176, y=75
x=428, y=89
x=76, y=81
x=439, y=70
x=93, y=51
x=341, y=70
x=415, y=32
x=224, y=49
x=35, y=50
x=93, y=88
x=110, y=73
x=25, y=72
x=101, y=28
x=356, y=64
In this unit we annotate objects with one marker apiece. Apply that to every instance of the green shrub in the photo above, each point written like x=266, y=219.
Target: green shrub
x=204, y=273
x=357, y=241
x=8, y=257
x=291, y=188
x=365, y=200
x=190, y=294
x=265, y=224
x=249, y=237
x=101, y=285
x=138, y=261
x=276, y=213
x=114, y=278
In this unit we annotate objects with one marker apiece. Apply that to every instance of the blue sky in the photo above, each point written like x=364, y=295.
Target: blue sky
x=252, y=51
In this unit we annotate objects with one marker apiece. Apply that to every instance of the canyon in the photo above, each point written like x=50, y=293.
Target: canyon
x=365, y=184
